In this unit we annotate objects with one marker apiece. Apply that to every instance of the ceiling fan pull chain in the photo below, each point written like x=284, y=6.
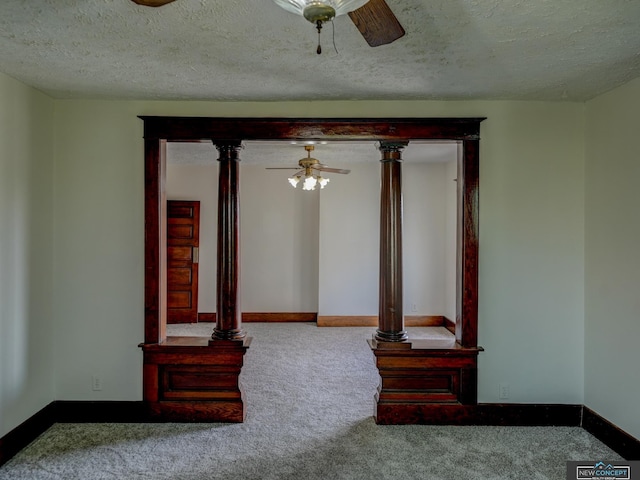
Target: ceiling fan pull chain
x=333, y=31
x=319, y=27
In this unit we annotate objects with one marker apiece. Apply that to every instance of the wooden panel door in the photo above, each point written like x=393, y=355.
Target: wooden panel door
x=183, y=237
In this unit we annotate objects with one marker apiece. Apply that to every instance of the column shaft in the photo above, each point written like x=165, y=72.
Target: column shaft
x=228, y=313
x=390, y=312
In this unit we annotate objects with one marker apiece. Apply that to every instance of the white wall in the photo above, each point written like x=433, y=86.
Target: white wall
x=531, y=239
x=612, y=262
x=280, y=232
x=279, y=235
x=349, y=239
x=26, y=264
x=451, y=236
x=424, y=238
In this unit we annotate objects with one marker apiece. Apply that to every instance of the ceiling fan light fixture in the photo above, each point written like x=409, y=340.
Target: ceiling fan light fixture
x=325, y=10
x=323, y=182
x=309, y=183
x=309, y=169
x=293, y=180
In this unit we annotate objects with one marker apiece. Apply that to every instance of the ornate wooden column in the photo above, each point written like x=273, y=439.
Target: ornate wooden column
x=421, y=381
x=228, y=313
x=194, y=378
x=390, y=311
x=185, y=378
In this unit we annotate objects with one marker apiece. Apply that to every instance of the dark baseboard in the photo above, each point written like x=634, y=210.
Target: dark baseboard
x=524, y=414
x=67, y=411
x=506, y=414
x=26, y=432
x=497, y=414
x=609, y=434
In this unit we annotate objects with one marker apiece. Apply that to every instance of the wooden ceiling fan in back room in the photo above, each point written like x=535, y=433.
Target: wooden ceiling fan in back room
x=373, y=18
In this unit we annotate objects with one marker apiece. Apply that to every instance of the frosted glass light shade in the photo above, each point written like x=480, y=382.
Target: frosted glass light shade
x=309, y=183
x=340, y=6
x=294, y=181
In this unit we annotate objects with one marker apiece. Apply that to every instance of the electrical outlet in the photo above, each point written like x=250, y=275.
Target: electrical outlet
x=414, y=307
x=503, y=390
x=96, y=383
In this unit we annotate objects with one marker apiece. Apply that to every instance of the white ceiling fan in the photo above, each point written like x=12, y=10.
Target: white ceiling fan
x=373, y=18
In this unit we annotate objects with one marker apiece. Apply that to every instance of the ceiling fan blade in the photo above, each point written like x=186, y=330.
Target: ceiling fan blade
x=332, y=170
x=152, y=3
x=282, y=168
x=377, y=23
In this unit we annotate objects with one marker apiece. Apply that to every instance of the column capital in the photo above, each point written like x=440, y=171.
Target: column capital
x=392, y=151
x=395, y=145
x=228, y=149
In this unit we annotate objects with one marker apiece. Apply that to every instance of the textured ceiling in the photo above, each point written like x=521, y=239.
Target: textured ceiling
x=254, y=50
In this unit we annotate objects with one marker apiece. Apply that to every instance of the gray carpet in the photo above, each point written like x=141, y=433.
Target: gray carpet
x=309, y=395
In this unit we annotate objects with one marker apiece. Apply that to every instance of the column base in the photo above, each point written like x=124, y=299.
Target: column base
x=189, y=379
x=227, y=335
x=401, y=336
x=420, y=377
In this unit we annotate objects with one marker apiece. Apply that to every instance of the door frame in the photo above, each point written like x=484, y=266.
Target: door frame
x=158, y=130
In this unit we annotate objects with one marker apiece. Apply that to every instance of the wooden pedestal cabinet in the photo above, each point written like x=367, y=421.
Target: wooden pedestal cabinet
x=188, y=380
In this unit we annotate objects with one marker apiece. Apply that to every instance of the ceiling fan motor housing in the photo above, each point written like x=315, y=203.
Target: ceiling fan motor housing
x=319, y=12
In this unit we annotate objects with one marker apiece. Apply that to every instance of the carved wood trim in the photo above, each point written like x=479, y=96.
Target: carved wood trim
x=190, y=379
x=467, y=271
x=155, y=241
x=251, y=128
x=466, y=130
x=157, y=130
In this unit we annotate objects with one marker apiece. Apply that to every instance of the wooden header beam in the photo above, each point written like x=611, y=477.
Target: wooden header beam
x=381, y=129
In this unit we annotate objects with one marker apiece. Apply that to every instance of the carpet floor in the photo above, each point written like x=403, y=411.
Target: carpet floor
x=309, y=397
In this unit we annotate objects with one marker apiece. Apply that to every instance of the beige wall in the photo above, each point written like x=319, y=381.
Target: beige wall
x=79, y=220
x=612, y=259
x=531, y=239
x=26, y=252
